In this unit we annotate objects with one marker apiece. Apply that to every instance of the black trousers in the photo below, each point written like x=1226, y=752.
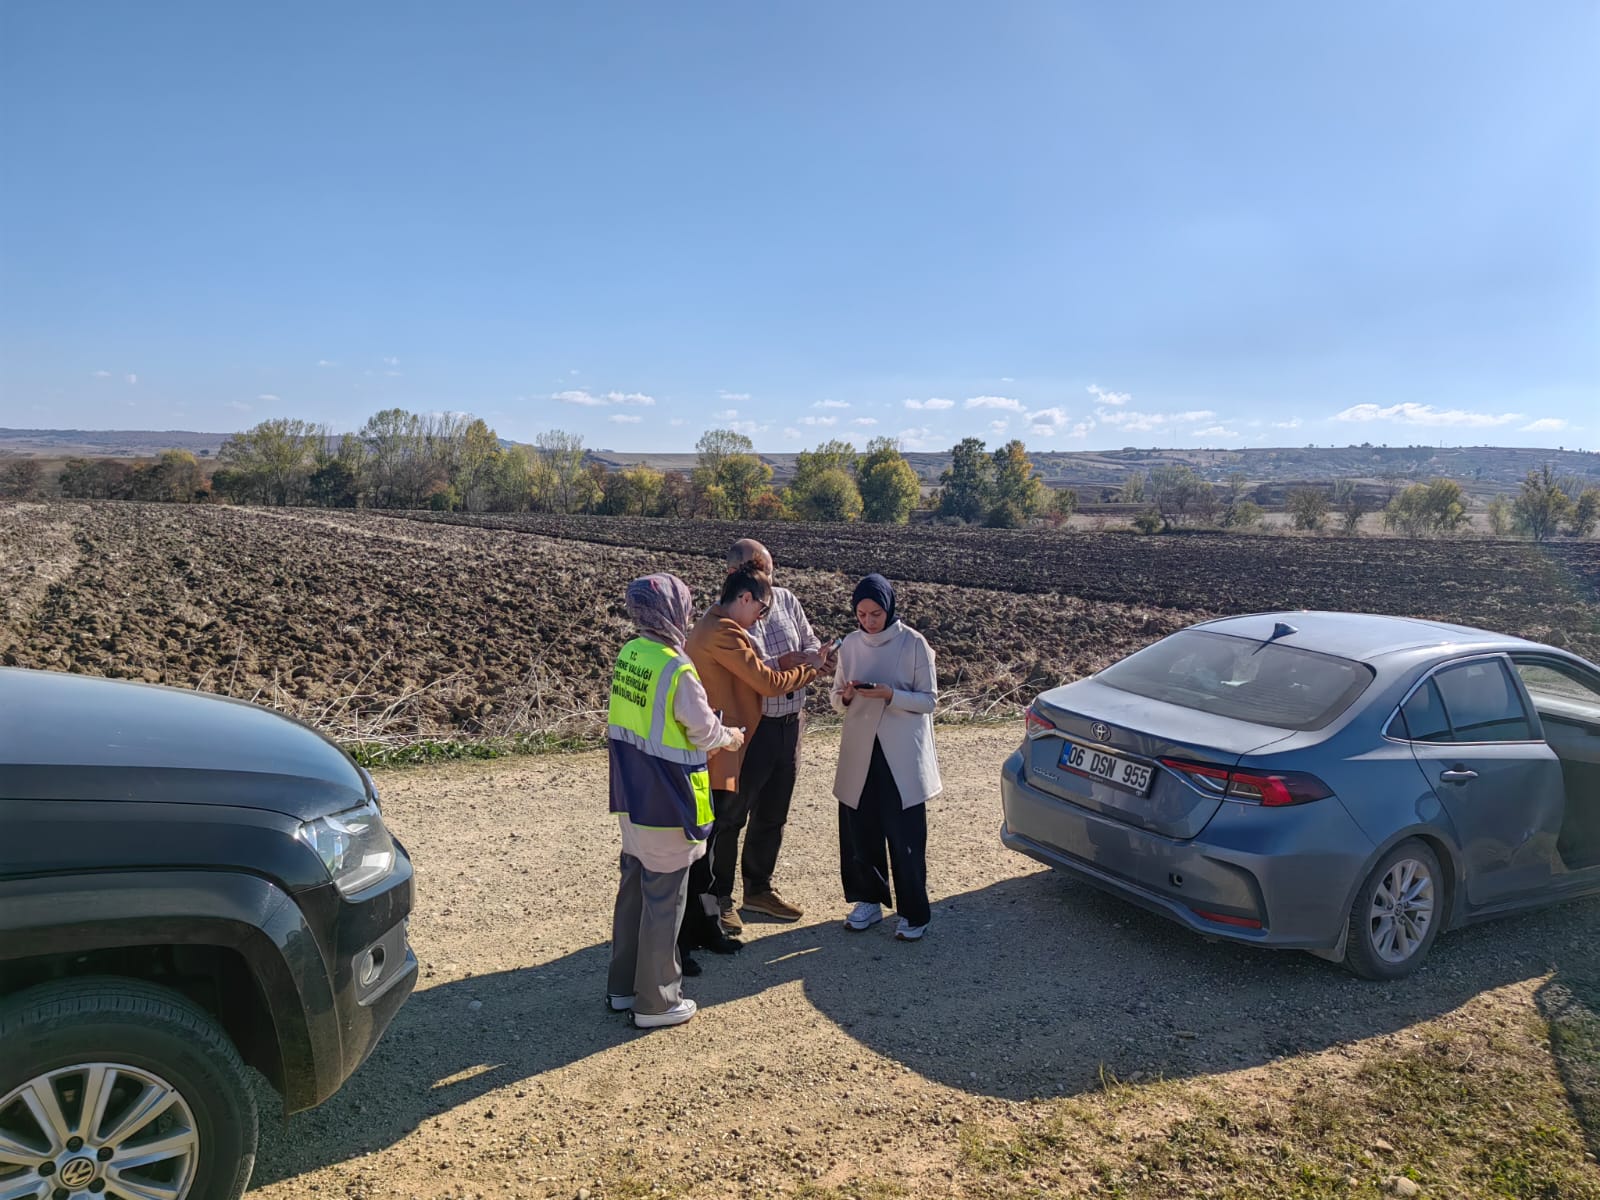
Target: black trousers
x=766, y=786
x=699, y=928
x=878, y=839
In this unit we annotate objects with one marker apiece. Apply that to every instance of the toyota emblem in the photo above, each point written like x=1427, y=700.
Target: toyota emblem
x=1101, y=731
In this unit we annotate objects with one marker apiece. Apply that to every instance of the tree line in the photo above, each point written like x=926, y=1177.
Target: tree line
x=453, y=461
x=456, y=462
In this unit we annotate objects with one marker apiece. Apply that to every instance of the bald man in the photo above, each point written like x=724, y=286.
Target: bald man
x=784, y=639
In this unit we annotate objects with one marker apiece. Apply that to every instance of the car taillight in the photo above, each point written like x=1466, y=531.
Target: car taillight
x=1037, y=723
x=1275, y=791
x=1271, y=791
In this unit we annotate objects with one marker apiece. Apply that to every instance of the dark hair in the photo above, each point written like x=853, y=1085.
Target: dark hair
x=748, y=578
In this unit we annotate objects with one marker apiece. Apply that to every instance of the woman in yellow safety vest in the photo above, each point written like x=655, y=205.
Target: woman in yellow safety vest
x=659, y=730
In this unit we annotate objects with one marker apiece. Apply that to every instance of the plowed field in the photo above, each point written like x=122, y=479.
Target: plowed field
x=373, y=626
x=1492, y=583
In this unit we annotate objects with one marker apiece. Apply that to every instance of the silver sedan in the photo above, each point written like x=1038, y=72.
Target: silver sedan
x=1342, y=783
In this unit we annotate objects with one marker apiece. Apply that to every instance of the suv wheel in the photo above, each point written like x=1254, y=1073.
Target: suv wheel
x=119, y=1087
x=1396, y=914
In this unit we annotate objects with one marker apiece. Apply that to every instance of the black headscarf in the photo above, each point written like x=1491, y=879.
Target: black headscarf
x=880, y=591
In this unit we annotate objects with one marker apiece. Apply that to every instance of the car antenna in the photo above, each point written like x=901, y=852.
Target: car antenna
x=1282, y=629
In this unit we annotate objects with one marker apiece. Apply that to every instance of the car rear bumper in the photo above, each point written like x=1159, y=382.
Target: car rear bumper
x=1294, y=870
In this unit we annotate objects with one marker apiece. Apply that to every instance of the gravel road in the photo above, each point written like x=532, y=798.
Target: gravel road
x=818, y=1058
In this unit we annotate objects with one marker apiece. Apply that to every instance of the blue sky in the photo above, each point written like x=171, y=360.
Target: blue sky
x=1087, y=225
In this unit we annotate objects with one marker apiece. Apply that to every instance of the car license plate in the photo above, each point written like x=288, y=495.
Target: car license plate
x=1097, y=764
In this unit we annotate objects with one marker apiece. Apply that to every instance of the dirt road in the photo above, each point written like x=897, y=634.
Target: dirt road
x=829, y=1064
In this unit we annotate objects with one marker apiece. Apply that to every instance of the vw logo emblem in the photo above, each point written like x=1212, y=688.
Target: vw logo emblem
x=1101, y=731
x=77, y=1173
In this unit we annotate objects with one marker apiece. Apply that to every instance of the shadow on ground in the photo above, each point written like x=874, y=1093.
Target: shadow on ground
x=1029, y=987
x=1570, y=1004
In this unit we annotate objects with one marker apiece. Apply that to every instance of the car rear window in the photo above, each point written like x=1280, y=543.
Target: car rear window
x=1266, y=683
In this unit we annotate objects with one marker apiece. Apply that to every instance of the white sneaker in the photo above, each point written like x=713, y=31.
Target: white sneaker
x=676, y=1015
x=619, y=1003
x=905, y=931
x=863, y=916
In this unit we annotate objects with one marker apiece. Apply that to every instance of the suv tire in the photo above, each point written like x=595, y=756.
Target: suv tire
x=1397, y=913
x=61, y=1036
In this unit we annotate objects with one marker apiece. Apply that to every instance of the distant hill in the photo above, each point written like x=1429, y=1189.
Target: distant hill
x=107, y=443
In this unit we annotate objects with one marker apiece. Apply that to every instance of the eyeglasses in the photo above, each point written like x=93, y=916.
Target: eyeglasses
x=765, y=609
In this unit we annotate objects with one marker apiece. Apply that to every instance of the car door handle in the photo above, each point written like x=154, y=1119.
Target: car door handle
x=1457, y=775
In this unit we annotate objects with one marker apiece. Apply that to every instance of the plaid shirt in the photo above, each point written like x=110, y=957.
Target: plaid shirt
x=782, y=630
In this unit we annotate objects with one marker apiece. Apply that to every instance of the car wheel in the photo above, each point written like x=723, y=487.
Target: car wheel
x=1396, y=914
x=117, y=1087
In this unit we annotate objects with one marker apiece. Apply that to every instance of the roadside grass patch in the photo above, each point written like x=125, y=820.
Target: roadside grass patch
x=427, y=751
x=1457, y=1114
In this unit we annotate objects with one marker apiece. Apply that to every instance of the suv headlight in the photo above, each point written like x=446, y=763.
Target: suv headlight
x=353, y=845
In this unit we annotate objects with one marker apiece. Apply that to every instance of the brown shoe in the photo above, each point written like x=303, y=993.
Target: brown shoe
x=773, y=905
x=728, y=917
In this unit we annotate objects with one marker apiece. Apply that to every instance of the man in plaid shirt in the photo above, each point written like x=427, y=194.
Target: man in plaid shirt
x=784, y=639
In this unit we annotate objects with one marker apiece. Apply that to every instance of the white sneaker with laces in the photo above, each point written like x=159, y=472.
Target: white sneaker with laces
x=676, y=1015
x=905, y=931
x=863, y=916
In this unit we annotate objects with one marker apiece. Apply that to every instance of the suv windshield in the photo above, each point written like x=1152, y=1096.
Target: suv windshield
x=1266, y=683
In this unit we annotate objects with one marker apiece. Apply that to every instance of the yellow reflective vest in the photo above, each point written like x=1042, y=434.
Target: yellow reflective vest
x=658, y=777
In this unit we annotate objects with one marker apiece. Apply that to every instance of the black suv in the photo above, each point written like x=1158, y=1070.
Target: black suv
x=187, y=885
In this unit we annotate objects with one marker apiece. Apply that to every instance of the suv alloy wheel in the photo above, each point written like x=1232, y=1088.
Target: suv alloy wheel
x=108, y=1081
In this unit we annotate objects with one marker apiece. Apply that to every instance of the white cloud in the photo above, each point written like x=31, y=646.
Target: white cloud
x=1042, y=431
x=935, y=405
x=323, y=362
x=1048, y=416
x=1007, y=379
x=1139, y=422
x=1115, y=399
x=865, y=421
x=101, y=374
x=748, y=428
x=1005, y=403
x=676, y=421
x=726, y=414
x=999, y=427
x=831, y=404
x=915, y=439
x=589, y=400
x=624, y=418
x=390, y=361
x=819, y=420
x=1082, y=428
x=574, y=371
x=1215, y=431
x=131, y=377
x=238, y=406
x=1412, y=413
x=268, y=398
x=1291, y=423
x=734, y=397
x=794, y=435
x=1546, y=425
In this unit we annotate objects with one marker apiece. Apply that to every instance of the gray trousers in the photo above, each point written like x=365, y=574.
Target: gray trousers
x=644, y=936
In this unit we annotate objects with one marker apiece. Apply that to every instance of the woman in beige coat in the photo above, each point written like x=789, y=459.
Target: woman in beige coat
x=885, y=688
